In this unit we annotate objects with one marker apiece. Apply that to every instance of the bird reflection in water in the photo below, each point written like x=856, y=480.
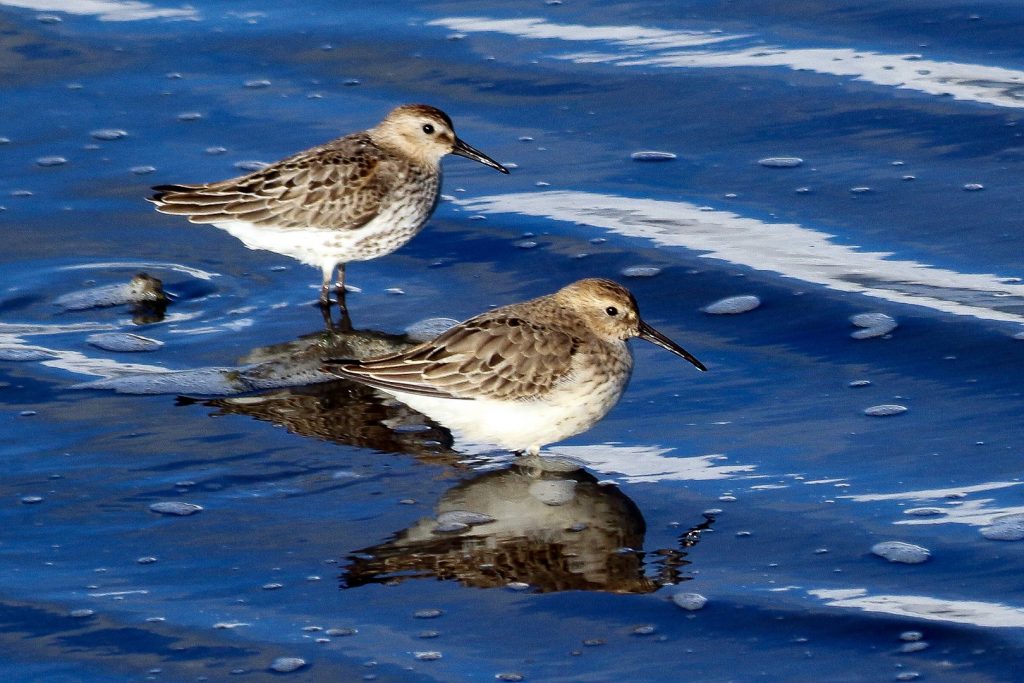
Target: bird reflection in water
x=552, y=529
x=544, y=522
x=298, y=396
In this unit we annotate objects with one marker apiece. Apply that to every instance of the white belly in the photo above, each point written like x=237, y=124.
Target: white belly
x=326, y=247
x=521, y=425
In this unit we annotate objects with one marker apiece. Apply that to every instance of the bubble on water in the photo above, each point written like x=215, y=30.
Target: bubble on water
x=510, y=675
x=803, y=190
x=554, y=492
x=464, y=517
x=517, y=586
x=21, y=193
x=429, y=634
x=911, y=636
x=652, y=155
x=175, y=508
x=394, y=291
x=18, y=354
x=907, y=676
x=644, y=630
x=858, y=383
x=81, y=613
x=780, y=162
x=123, y=342
x=250, y=165
x=189, y=116
x=431, y=613
x=525, y=244
x=427, y=656
x=427, y=329
x=924, y=512
x=593, y=642
x=341, y=632
x=690, y=601
x=903, y=553
x=1005, y=528
x=142, y=170
x=860, y=189
x=51, y=161
x=48, y=19
x=450, y=528
x=257, y=83
x=733, y=305
x=149, y=559
x=640, y=271
x=27, y=413
x=215, y=151
x=284, y=665
x=908, y=178
x=885, y=410
x=108, y=134
x=31, y=500
x=272, y=586
x=908, y=648
x=973, y=187
x=350, y=82
x=874, y=324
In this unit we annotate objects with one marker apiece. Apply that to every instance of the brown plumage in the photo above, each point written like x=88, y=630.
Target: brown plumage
x=522, y=375
x=354, y=198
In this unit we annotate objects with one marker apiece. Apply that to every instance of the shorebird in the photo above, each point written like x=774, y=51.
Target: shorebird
x=352, y=199
x=525, y=375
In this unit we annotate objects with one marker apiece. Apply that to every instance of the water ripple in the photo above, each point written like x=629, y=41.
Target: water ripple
x=790, y=249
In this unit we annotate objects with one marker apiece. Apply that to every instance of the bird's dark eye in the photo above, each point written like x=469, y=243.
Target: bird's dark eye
x=611, y=310
x=428, y=129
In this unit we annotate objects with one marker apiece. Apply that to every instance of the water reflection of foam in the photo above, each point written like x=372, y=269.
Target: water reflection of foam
x=645, y=47
x=989, y=614
x=106, y=10
x=789, y=249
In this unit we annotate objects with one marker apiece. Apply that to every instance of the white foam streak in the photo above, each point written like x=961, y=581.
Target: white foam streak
x=931, y=494
x=789, y=249
x=650, y=463
x=628, y=36
x=640, y=46
x=105, y=10
x=970, y=512
x=13, y=336
x=976, y=612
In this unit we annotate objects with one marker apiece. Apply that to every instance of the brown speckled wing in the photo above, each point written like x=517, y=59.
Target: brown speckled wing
x=339, y=185
x=504, y=358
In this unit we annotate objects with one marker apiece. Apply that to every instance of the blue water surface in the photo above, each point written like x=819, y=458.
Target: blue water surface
x=761, y=485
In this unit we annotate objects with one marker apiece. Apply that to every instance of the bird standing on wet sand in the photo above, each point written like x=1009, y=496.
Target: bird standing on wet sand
x=524, y=375
x=352, y=199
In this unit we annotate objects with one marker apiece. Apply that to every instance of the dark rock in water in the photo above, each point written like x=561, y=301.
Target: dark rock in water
x=143, y=288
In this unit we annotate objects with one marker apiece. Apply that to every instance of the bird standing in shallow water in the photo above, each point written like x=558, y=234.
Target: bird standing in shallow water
x=352, y=199
x=525, y=375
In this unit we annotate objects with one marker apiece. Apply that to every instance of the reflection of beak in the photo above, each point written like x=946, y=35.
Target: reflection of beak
x=464, y=150
x=652, y=335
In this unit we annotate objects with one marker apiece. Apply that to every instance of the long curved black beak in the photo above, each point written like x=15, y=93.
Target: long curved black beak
x=652, y=335
x=464, y=150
